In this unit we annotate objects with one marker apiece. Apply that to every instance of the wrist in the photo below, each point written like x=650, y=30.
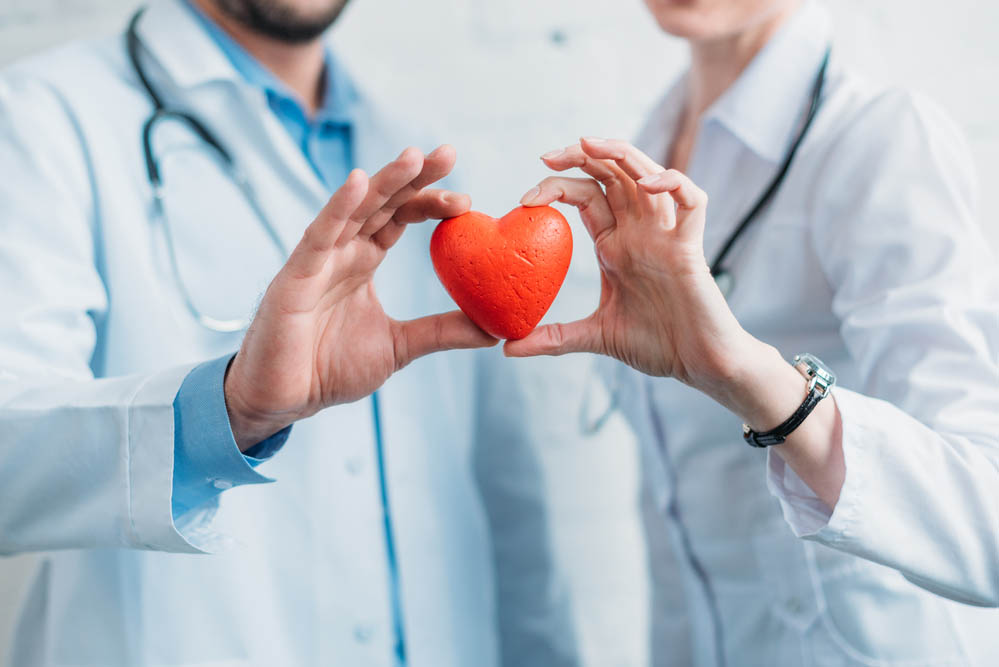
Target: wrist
x=249, y=427
x=762, y=388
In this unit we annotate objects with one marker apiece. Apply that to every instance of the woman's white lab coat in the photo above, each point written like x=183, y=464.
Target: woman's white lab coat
x=870, y=257
x=300, y=575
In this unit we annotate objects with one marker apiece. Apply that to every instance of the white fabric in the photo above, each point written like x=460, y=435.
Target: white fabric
x=869, y=257
x=300, y=574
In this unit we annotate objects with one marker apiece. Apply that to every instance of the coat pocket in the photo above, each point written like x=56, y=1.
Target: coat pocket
x=845, y=611
x=874, y=616
x=784, y=563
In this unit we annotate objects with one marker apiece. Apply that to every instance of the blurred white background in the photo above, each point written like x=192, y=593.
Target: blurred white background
x=506, y=80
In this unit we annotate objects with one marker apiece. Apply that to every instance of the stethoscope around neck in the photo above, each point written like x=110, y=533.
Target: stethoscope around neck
x=723, y=277
x=162, y=112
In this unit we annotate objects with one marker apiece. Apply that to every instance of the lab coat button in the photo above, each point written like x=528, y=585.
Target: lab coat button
x=363, y=633
x=221, y=484
x=354, y=465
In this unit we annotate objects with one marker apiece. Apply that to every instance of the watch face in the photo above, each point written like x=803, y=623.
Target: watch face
x=814, y=367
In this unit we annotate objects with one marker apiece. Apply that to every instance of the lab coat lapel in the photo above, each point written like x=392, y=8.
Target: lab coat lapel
x=190, y=64
x=374, y=142
x=175, y=44
x=287, y=157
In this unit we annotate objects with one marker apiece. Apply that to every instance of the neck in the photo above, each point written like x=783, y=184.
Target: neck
x=298, y=66
x=715, y=64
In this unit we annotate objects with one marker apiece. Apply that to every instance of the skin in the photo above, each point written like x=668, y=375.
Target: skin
x=320, y=336
x=660, y=310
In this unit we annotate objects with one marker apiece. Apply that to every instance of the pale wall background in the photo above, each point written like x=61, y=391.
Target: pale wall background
x=534, y=75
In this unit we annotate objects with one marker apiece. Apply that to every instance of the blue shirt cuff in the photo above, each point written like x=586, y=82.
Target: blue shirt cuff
x=206, y=459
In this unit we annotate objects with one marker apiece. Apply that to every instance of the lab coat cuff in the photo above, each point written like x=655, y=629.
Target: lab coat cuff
x=207, y=460
x=804, y=512
x=150, y=464
x=807, y=515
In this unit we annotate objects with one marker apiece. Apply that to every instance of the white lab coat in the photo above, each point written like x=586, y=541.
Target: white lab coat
x=870, y=257
x=299, y=574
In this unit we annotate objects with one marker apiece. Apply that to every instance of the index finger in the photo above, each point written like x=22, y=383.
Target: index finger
x=383, y=186
x=427, y=204
x=436, y=166
x=620, y=187
x=632, y=161
x=583, y=193
x=310, y=255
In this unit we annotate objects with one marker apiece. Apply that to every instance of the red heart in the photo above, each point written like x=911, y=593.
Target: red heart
x=504, y=274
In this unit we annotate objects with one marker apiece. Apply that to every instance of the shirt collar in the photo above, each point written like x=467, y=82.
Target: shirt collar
x=338, y=94
x=763, y=108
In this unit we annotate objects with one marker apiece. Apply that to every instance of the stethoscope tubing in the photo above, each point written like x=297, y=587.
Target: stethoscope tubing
x=724, y=277
x=163, y=112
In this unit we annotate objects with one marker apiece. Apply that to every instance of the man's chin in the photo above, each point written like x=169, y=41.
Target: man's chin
x=287, y=21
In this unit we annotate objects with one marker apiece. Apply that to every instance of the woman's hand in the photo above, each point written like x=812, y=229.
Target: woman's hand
x=320, y=336
x=660, y=310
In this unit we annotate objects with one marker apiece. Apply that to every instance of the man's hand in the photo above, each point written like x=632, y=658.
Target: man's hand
x=320, y=336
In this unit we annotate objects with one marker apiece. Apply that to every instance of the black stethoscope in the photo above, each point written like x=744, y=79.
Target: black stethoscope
x=723, y=277
x=161, y=112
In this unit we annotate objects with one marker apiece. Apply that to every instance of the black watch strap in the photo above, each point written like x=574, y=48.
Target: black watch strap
x=779, y=434
x=820, y=381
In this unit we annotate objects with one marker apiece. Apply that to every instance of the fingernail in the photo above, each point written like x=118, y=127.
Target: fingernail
x=531, y=195
x=594, y=140
x=650, y=179
x=550, y=155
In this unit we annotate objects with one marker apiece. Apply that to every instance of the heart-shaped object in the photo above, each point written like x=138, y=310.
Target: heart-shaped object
x=504, y=274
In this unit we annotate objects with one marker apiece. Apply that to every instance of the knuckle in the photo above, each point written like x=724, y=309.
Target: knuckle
x=556, y=335
x=439, y=332
x=411, y=156
x=312, y=238
x=400, y=196
x=385, y=190
x=400, y=347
